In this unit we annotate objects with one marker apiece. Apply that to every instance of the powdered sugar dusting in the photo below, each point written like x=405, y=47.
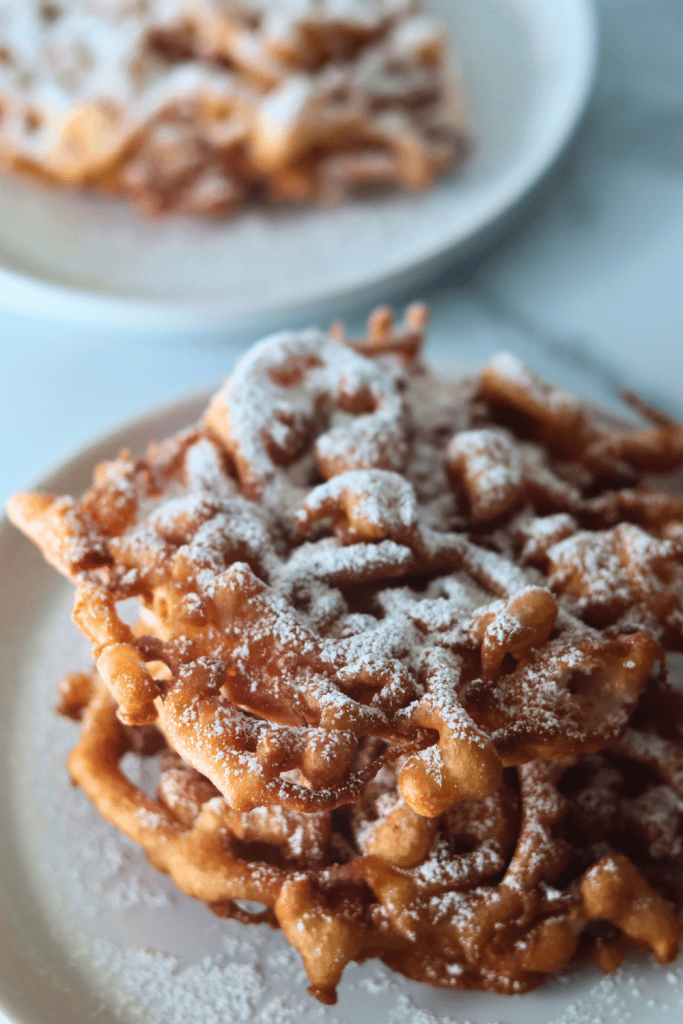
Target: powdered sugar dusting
x=152, y=987
x=231, y=526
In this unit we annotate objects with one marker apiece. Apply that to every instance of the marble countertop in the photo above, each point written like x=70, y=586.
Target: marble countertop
x=585, y=286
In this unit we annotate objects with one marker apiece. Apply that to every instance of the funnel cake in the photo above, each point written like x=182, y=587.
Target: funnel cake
x=369, y=596
x=198, y=106
x=563, y=859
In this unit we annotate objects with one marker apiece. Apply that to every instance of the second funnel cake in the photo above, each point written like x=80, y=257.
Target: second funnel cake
x=403, y=643
x=198, y=106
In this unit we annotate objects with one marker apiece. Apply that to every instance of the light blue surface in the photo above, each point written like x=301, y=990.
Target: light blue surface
x=587, y=288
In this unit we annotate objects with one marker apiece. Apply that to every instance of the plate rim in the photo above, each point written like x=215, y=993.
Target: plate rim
x=27, y=293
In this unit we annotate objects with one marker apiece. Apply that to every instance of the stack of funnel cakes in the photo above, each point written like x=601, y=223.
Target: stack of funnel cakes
x=402, y=647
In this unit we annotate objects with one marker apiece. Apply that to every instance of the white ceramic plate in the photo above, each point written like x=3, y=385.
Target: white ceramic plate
x=89, y=932
x=529, y=66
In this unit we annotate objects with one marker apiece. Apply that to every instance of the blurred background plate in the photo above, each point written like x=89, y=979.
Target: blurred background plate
x=529, y=67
